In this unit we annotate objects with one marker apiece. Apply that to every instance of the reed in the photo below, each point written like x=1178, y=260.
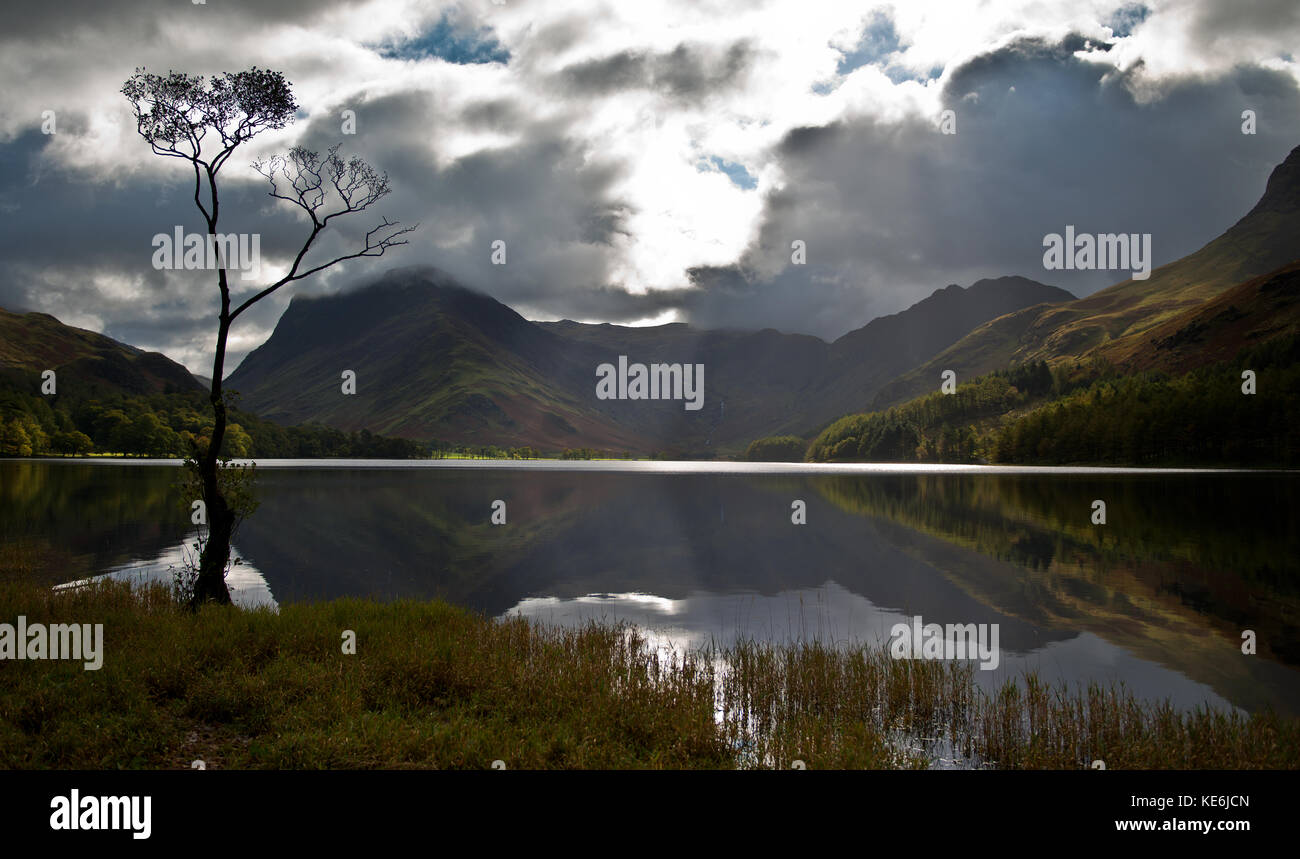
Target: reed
x=435, y=686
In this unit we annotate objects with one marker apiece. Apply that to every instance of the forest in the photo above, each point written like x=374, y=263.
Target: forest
x=171, y=424
x=779, y=448
x=1090, y=414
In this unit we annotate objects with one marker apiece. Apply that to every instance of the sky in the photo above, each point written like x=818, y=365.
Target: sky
x=645, y=162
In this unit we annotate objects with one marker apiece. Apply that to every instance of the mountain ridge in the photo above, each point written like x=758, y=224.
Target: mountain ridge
x=477, y=370
x=1261, y=241
x=33, y=342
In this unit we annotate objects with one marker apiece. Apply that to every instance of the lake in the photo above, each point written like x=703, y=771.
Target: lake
x=1158, y=597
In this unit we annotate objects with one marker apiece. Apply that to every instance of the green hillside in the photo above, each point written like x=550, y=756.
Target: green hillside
x=1091, y=414
x=85, y=360
x=111, y=398
x=1116, y=323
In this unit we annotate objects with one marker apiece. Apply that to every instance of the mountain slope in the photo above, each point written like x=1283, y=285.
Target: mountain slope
x=436, y=360
x=433, y=360
x=792, y=383
x=1260, y=309
x=1117, y=320
x=35, y=342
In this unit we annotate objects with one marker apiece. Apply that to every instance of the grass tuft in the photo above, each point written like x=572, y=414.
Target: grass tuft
x=435, y=686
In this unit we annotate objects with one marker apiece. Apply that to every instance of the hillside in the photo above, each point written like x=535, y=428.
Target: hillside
x=777, y=383
x=111, y=398
x=85, y=360
x=435, y=360
x=1177, y=401
x=1117, y=323
x=1256, y=311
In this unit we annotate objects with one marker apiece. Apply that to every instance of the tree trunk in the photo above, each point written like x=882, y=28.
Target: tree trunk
x=210, y=586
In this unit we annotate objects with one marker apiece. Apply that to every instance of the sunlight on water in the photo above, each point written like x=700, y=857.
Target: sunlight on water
x=248, y=588
x=833, y=616
x=683, y=466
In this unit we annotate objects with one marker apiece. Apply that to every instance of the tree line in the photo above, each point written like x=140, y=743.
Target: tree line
x=779, y=448
x=164, y=425
x=939, y=427
x=1089, y=413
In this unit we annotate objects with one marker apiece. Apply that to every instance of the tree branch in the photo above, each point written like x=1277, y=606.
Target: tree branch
x=372, y=249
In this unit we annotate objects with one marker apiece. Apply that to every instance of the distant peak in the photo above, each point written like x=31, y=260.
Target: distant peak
x=404, y=277
x=986, y=284
x=1282, y=193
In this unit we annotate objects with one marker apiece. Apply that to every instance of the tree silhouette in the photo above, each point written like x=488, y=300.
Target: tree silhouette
x=176, y=113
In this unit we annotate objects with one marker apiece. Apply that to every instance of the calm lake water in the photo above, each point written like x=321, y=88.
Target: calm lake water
x=700, y=553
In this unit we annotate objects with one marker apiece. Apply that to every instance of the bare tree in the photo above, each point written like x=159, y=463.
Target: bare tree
x=176, y=113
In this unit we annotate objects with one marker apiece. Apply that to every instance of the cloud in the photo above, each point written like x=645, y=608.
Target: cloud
x=651, y=160
x=689, y=73
x=1045, y=138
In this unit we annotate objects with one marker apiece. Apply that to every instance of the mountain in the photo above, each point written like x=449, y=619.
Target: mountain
x=776, y=383
x=35, y=342
x=1258, y=310
x=433, y=360
x=1120, y=322
x=436, y=360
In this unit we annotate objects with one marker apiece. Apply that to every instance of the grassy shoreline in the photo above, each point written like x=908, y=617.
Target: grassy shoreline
x=435, y=686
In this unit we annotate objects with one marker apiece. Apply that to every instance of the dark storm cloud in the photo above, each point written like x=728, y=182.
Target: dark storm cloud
x=891, y=212
x=146, y=19
x=1219, y=21
x=688, y=72
x=546, y=196
x=811, y=298
x=498, y=114
x=51, y=218
x=84, y=250
x=624, y=70
x=49, y=212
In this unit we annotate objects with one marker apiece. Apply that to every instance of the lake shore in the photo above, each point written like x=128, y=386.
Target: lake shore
x=431, y=685
x=686, y=466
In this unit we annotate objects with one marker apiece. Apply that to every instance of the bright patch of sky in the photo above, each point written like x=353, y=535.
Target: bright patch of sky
x=878, y=42
x=879, y=45
x=1126, y=18
x=737, y=173
x=451, y=41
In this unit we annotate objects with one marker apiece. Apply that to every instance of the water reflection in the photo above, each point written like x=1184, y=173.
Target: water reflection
x=1157, y=598
x=834, y=615
x=248, y=587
